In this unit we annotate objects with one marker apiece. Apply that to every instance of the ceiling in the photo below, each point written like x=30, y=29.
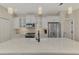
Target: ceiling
x=48, y=8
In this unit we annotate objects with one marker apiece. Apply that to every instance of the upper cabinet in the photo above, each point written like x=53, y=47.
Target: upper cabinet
x=33, y=21
x=16, y=23
x=28, y=21
x=4, y=13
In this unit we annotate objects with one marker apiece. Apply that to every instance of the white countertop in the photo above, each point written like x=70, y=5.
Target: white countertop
x=46, y=46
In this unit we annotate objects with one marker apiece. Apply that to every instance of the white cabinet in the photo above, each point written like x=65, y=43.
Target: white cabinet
x=4, y=29
x=16, y=23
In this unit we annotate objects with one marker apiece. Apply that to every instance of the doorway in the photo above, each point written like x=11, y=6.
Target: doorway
x=54, y=29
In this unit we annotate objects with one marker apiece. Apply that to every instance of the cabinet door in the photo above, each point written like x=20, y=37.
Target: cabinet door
x=16, y=23
x=4, y=30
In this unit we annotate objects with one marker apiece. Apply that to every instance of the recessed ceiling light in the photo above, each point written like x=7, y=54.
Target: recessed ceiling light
x=39, y=10
x=10, y=10
x=69, y=10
